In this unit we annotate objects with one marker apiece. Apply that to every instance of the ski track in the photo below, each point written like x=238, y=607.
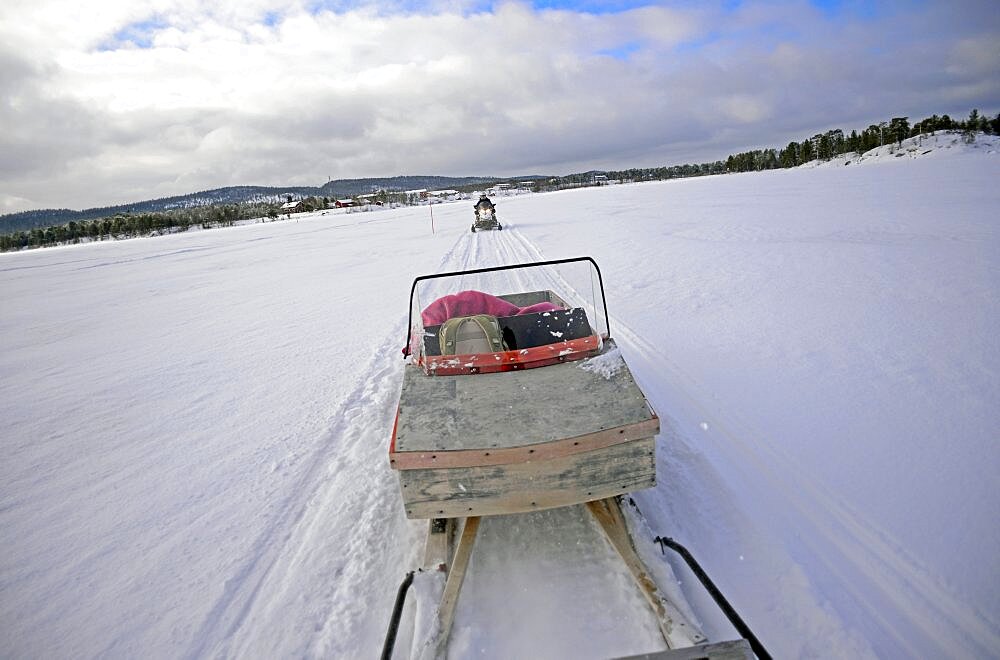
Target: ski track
x=356, y=443
x=368, y=507
x=242, y=592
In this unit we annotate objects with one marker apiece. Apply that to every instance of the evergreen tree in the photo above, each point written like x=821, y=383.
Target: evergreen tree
x=823, y=148
x=971, y=126
x=807, y=154
x=790, y=155
x=853, y=142
x=899, y=129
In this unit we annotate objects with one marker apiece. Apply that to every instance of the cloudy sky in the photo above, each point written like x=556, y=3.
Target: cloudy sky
x=127, y=100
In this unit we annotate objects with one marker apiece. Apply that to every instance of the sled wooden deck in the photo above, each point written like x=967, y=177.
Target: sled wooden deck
x=521, y=441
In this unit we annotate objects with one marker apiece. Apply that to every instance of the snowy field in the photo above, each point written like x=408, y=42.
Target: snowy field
x=195, y=427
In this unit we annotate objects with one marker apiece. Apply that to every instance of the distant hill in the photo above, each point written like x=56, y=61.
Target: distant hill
x=337, y=188
x=232, y=195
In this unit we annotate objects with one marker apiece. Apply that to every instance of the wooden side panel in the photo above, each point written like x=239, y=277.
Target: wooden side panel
x=413, y=460
x=529, y=486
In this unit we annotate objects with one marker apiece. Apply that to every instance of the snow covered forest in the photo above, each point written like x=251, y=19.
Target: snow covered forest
x=195, y=425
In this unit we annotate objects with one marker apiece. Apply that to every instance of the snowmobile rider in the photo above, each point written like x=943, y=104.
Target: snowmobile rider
x=484, y=203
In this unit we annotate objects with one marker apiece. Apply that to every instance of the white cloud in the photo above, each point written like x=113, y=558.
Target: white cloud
x=137, y=100
x=975, y=56
x=746, y=108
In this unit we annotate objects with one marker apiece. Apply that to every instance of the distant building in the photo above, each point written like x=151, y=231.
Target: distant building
x=293, y=207
x=343, y=203
x=369, y=198
x=443, y=194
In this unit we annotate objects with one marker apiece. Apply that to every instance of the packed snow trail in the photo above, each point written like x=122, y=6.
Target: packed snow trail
x=341, y=542
x=309, y=565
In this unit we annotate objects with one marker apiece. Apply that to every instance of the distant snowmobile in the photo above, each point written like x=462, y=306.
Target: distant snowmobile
x=486, y=215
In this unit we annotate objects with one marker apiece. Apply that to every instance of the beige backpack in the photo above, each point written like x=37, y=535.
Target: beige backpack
x=468, y=335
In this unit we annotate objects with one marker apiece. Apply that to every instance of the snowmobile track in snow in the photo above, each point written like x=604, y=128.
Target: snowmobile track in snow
x=352, y=439
x=355, y=443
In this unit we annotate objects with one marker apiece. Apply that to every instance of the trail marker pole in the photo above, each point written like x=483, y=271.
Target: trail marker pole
x=431, y=204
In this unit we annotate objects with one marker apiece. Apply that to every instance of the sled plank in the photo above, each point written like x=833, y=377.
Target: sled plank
x=673, y=624
x=438, y=547
x=537, y=452
x=529, y=486
x=456, y=575
x=735, y=650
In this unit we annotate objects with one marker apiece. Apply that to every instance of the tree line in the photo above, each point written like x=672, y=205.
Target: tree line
x=24, y=220
x=664, y=173
x=835, y=143
x=132, y=225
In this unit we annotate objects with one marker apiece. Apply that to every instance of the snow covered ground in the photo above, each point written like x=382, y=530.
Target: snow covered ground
x=194, y=427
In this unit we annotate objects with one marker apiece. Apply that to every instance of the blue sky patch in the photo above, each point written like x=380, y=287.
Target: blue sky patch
x=139, y=34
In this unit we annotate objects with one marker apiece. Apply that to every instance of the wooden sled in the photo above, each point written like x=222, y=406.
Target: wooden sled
x=554, y=419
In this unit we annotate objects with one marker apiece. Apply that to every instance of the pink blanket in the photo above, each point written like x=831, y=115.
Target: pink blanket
x=467, y=303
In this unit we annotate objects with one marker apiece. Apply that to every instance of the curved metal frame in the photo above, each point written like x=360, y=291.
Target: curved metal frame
x=413, y=288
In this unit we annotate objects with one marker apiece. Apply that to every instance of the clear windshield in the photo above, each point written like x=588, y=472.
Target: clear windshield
x=511, y=293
